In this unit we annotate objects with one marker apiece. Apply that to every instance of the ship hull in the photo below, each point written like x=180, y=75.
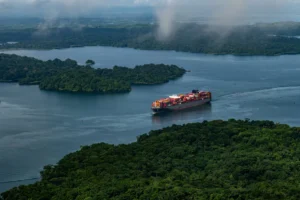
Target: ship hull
x=181, y=106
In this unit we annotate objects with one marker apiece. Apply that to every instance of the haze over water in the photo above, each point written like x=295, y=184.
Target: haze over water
x=39, y=127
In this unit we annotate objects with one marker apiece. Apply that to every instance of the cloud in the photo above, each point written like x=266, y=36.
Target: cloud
x=53, y=8
x=229, y=9
x=223, y=12
x=167, y=11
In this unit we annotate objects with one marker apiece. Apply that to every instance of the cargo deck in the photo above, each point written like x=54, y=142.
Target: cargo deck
x=181, y=101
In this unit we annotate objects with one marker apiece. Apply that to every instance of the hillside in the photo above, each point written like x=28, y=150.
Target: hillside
x=68, y=76
x=232, y=159
x=258, y=39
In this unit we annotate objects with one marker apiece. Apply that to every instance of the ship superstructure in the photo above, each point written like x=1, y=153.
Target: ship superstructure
x=181, y=101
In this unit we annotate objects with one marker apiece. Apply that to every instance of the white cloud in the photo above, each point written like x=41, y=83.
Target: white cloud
x=218, y=11
x=225, y=11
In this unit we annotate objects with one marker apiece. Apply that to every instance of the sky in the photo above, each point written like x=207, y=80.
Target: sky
x=166, y=11
x=227, y=8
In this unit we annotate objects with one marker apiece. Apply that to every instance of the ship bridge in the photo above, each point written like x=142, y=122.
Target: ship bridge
x=174, y=96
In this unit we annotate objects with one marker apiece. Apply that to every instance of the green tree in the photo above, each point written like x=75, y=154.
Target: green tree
x=68, y=76
x=235, y=159
x=90, y=63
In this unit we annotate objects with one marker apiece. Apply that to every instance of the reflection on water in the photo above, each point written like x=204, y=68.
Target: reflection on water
x=182, y=115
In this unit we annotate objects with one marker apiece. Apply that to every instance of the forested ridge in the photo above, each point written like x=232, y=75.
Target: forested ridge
x=69, y=76
x=258, y=39
x=234, y=159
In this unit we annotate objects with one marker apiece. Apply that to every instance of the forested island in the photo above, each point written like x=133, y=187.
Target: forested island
x=68, y=76
x=258, y=39
x=234, y=159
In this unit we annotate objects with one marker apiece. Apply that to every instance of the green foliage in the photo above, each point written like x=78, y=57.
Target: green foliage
x=147, y=74
x=260, y=39
x=27, y=70
x=68, y=37
x=68, y=76
x=90, y=62
x=210, y=160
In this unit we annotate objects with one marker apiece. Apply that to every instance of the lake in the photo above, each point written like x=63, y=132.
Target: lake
x=39, y=127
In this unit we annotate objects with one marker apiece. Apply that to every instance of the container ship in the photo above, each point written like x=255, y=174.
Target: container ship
x=181, y=101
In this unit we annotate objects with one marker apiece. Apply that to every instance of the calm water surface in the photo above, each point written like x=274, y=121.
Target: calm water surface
x=39, y=128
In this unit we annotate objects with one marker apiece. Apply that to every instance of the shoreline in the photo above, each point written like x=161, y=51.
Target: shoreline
x=4, y=50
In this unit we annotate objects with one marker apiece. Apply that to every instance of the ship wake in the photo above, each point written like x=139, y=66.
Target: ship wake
x=269, y=93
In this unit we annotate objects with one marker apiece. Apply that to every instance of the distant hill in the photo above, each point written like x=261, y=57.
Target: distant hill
x=257, y=39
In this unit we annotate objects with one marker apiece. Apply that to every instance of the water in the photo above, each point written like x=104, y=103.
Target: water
x=39, y=127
